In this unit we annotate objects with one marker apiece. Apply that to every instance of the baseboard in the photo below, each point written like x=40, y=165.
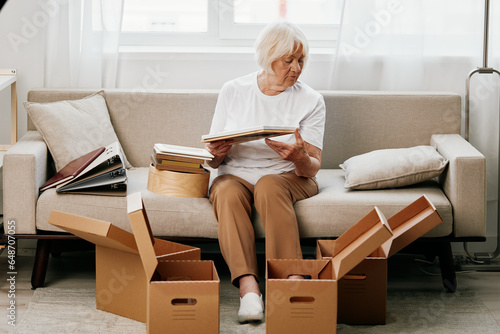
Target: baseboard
x=487, y=246
x=477, y=257
x=465, y=264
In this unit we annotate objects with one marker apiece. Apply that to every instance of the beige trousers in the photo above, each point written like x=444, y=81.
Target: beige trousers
x=273, y=197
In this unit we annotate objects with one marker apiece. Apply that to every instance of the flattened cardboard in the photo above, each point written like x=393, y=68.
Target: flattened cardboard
x=310, y=305
x=182, y=296
x=120, y=279
x=362, y=294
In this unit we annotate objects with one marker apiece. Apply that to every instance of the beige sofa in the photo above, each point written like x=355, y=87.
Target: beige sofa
x=356, y=122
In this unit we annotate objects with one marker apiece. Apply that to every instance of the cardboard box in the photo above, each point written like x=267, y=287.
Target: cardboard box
x=310, y=305
x=121, y=283
x=182, y=296
x=362, y=298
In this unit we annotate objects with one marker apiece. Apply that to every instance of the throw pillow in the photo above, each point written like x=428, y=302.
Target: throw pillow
x=73, y=128
x=393, y=167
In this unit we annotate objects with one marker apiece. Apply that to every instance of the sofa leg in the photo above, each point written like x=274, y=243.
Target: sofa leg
x=447, y=266
x=442, y=249
x=41, y=262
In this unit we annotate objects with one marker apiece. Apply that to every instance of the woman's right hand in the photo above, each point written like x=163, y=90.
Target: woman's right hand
x=219, y=150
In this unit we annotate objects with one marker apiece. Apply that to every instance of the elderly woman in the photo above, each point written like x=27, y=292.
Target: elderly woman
x=271, y=174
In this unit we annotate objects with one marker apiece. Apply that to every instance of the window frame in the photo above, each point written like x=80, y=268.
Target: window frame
x=222, y=31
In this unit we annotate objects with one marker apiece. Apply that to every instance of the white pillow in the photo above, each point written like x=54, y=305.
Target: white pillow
x=393, y=167
x=73, y=128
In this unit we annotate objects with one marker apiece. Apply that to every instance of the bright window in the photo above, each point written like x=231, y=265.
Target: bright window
x=316, y=12
x=165, y=16
x=224, y=22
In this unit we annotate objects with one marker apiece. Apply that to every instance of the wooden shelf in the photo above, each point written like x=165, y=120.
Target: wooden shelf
x=6, y=80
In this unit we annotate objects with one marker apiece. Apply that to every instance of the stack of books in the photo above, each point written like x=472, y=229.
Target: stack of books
x=100, y=172
x=176, y=158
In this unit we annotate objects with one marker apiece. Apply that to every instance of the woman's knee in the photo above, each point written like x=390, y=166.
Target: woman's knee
x=271, y=184
x=271, y=190
x=228, y=190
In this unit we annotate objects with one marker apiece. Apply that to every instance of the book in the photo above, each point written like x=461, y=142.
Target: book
x=105, y=170
x=118, y=175
x=164, y=157
x=115, y=189
x=183, y=152
x=176, y=168
x=248, y=134
x=72, y=169
x=179, y=163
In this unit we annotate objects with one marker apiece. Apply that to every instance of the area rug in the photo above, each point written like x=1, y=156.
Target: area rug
x=58, y=310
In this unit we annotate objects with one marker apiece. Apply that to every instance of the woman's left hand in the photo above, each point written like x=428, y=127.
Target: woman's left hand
x=292, y=152
x=305, y=157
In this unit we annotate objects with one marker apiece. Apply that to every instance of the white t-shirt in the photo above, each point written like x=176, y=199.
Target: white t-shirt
x=241, y=104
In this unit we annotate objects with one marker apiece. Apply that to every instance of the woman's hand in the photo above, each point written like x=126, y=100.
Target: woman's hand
x=219, y=150
x=306, y=157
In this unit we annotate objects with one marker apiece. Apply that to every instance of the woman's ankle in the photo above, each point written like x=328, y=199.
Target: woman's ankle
x=248, y=283
x=296, y=277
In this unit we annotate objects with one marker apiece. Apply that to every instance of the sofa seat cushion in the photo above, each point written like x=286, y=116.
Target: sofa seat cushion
x=328, y=214
x=335, y=209
x=175, y=217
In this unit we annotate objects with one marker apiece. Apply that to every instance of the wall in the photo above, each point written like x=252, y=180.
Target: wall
x=22, y=48
x=191, y=69
x=22, y=37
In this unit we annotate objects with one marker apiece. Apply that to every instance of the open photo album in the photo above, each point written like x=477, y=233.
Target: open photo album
x=249, y=134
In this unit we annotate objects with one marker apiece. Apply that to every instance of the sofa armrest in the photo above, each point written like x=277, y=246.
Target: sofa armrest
x=24, y=171
x=464, y=183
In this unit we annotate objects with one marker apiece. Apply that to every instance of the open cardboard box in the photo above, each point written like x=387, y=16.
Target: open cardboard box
x=362, y=293
x=182, y=296
x=310, y=305
x=121, y=283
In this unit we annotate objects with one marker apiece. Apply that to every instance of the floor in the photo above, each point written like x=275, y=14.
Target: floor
x=76, y=269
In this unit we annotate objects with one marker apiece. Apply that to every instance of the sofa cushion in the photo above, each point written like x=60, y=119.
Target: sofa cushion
x=175, y=217
x=328, y=214
x=335, y=209
x=393, y=167
x=73, y=128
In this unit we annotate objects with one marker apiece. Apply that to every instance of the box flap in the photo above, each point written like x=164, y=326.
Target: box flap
x=411, y=223
x=96, y=231
x=359, y=241
x=168, y=250
x=142, y=232
x=187, y=270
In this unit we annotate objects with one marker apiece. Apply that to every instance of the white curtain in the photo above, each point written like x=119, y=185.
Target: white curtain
x=425, y=45
x=82, y=41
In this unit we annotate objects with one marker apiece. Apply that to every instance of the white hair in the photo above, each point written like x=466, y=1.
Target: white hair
x=277, y=40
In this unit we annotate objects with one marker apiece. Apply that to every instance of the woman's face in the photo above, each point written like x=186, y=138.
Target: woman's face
x=288, y=69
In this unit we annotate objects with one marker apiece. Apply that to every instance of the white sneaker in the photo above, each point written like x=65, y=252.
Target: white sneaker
x=251, y=308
